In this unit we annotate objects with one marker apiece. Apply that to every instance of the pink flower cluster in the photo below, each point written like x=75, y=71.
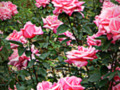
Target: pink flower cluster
x=108, y=21
x=68, y=6
x=79, y=57
x=52, y=22
x=40, y=3
x=67, y=83
x=7, y=10
x=91, y=41
x=68, y=34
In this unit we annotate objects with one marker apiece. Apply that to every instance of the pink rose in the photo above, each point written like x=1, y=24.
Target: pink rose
x=1, y=32
x=30, y=30
x=114, y=27
x=40, y=3
x=12, y=89
x=79, y=57
x=71, y=83
x=52, y=22
x=16, y=36
x=68, y=34
x=91, y=41
x=68, y=6
x=20, y=62
x=116, y=87
x=56, y=86
x=7, y=10
x=45, y=85
x=1, y=48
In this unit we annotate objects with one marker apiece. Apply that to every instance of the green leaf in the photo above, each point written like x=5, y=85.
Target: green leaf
x=15, y=42
x=103, y=70
x=103, y=82
x=42, y=72
x=28, y=53
x=118, y=73
x=62, y=28
x=21, y=50
x=12, y=84
x=94, y=77
x=31, y=63
x=87, y=30
x=112, y=74
x=44, y=55
x=106, y=45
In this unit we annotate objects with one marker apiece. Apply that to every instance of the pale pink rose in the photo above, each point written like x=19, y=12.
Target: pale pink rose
x=71, y=83
x=52, y=22
x=44, y=85
x=118, y=1
x=91, y=41
x=56, y=86
x=7, y=10
x=114, y=27
x=16, y=36
x=20, y=62
x=40, y=3
x=30, y=30
x=68, y=6
x=79, y=57
x=68, y=34
x=1, y=32
x=34, y=51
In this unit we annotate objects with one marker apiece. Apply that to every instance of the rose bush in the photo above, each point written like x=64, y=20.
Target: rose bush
x=60, y=45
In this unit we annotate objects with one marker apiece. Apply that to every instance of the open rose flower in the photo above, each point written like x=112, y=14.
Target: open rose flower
x=7, y=10
x=16, y=36
x=79, y=57
x=106, y=21
x=30, y=30
x=40, y=3
x=91, y=41
x=71, y=83
x=52, y=22
x=68, y=34
x=68, y=6
x=45, y=85
x=20, y=62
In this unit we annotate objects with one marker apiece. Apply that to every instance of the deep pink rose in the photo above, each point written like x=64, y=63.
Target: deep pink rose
x=68, y=6
x=56, y=86
x=20, y=62
x=30, y=30
x=16, y=36
x=7, y=10
x=116, y=87
x=44, y=85
x=68, y=34
x=52, y=22
x=91, y=41
x=71, y=83
x=79, y=57
x=40, y=3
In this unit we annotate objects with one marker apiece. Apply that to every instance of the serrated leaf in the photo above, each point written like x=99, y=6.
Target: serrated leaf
x=62, y=28
x=112, y=74
x=21, y=50
x=94, y=77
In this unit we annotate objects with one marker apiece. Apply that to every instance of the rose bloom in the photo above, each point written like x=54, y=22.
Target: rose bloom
x=16, y=36
x=71, y=83
x=91, y=41
x=40, y=3
x=79, y=57
x=30, y=30
x=52, y=22
x=68, y=6
x=7, y=10
x=107, y=17
x=68, y=34
x=20, y=62
x=1, y=32
x=12, y=89
x=1, y=48
x=45, y=85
